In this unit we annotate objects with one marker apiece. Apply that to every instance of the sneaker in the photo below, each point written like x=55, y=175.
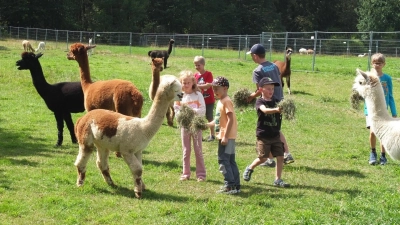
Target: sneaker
x=184, y=178
x=372, y=158
x=211, y=138
x=288, y=159
x=228, y=191
x=201, y=179
x=280, y=183
x=269, y=163
x=383, y=160
x=247, y=174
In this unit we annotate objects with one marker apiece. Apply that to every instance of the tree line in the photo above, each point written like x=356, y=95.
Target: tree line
x=231, y=17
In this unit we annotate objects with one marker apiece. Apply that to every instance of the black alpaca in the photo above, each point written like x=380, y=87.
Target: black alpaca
x=62, y=98
x=162, y=53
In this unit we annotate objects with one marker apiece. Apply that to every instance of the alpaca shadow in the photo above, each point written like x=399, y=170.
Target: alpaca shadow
x=146, y=194
x=328, y=190
x=301, y=93
x=4, y=48
x=171, y=165
x=330, y=172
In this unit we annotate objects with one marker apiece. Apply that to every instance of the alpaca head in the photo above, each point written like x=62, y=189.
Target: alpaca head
x=157, y=64
x=78, y=50
x=28, y=60
x=171, y=41
x=170, y=89
x=289, y=52
x=365, y=82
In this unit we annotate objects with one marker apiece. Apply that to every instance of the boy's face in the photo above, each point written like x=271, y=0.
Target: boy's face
x=267, y=90
x=378, y=66
x=199, y=67
x=220, y=92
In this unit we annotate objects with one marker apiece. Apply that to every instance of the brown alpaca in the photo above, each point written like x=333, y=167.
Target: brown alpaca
x=162, y=53
x=284, y=68
x=156, y=67
x=116, y=95
x=27, y=46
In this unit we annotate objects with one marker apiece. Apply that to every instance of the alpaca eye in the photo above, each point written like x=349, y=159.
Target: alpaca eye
x=360, y=83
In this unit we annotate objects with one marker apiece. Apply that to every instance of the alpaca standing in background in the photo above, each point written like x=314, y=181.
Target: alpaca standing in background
x=385, y=127
x=162, y=53
x=284, y=68
x=111, y=131
x=41, y=46
x=90, y=51
x=302, y=51
x=27, y=46
x=61, y=98
x=362, y=55
x=156, y=67
x=310, y=51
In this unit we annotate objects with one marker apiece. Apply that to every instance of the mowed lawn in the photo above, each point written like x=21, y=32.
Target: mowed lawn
x=331, y=181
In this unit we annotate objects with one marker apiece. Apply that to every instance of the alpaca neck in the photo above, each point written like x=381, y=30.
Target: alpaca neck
x=155, y=82
x=38, y=79
x=288, y=62
x=170, y=48
x=377, y=110
x=155, y=117
x=85, y=71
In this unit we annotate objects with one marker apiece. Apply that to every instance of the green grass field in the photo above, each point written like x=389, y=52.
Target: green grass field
x=331, y=180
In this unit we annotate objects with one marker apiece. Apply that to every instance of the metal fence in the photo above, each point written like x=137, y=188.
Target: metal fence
x=321, y=43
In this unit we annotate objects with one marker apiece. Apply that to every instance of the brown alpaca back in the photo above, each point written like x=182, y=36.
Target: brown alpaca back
x=284, y=67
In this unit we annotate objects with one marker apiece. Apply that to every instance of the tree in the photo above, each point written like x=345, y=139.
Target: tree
x=378, y=15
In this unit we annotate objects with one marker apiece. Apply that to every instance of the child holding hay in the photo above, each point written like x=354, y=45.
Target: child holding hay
x=268, y=131
x=204, y=79
x=195, y=100
x=225, y=124
x=378, y=62
x=268, y=69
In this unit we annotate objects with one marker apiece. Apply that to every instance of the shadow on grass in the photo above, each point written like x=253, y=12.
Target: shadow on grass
x=301, y=93
x=3, y=48
x=325, y=171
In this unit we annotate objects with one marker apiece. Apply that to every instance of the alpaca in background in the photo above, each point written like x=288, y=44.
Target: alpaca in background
x=90, y=51
x=384, y=126
x=310, y=51
x=111, y=131
x=156, y=67
x=41, y=46
x=284, y=68
x=27, y=46
x=362, y=55
x=162, y=53
x=302, y=51
x=61, y=98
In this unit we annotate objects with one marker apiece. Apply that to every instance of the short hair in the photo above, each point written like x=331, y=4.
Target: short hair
x=378, y=57
x=188, y=74
x=199, y=59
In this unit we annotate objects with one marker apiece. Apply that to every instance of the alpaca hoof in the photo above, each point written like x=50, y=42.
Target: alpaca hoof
x=79, y=183
x=57, y=145
x=170, y=123
x=118, y=154
x=74, y=141
x=138, y=194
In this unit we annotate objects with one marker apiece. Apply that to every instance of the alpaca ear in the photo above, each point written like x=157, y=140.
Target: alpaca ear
x=90, y=47
x=364, y=74
x=39, y=55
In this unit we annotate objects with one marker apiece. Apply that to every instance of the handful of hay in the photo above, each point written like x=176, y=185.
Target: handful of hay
x=240, y=98
x=288, y=108
x=355, y=99
x=189, y=120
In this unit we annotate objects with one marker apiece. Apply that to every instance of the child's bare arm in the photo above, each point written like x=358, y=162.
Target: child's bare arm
x=266, y=110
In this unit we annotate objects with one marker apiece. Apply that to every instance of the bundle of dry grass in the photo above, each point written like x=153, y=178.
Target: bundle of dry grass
x=288, y=108
x=355, y=99
x=240, y=98
x=189, y=120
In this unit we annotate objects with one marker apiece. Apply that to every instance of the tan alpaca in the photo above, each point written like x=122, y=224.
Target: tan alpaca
x=156, y=67
x=111, y=131
x=27, y=46
x=116, y=95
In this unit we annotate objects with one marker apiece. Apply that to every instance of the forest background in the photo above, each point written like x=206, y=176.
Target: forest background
x=203, y=16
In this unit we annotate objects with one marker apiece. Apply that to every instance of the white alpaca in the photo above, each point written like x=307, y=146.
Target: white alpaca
x=112, y=131
x=385, y=127
x=303, y=51
x=41, y=46
x=90, y=51
x=362, y=55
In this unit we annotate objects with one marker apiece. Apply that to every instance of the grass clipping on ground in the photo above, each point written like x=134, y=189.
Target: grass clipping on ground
x=355, y=99
x=240, y=98
x=188, y=119
x=288, y=108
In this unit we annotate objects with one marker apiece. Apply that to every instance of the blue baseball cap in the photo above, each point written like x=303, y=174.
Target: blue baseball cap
x=267, y=80
x=257, y=49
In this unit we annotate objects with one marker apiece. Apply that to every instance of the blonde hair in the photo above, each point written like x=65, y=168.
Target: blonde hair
x=188, y=74
x=199, y=59
x=378, y=57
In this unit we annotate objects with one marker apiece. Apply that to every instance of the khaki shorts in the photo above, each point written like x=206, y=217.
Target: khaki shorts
x=264, y=146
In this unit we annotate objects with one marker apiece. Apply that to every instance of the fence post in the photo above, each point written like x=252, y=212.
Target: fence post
x=370, y=49
x=130, y=42
x=27, y=33
x=240, y=38
x=315, y=48
x=202, y=46
x=67, y=40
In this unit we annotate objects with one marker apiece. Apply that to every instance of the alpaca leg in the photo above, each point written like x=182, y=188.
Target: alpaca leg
x=102, y=163
x=170, y=116
x=81, y=161
x=135, y=165
x=288, y=84
x=70, y=126
x=165, y=63
x=60, y=127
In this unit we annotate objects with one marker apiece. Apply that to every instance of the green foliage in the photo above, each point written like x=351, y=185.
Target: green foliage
x=331, y=180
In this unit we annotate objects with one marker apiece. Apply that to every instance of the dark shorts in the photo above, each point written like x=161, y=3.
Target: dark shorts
x=266, y=145
x=210, y=112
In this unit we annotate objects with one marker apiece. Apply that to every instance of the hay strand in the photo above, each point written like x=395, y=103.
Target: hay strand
x=355, y=99
x=240, y=98
x=288, y=108
x=188, y=119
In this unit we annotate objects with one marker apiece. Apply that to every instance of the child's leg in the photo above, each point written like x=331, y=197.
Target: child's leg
x=372, y=140
x=197, y=146
x=186, y=149
x=285, y=145
x=225, y=153
x=210, y=117
x=279, y=167
x=256, y=163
